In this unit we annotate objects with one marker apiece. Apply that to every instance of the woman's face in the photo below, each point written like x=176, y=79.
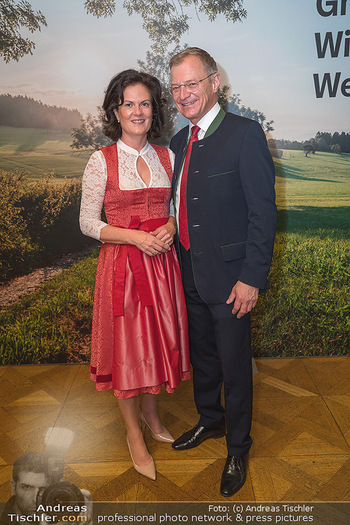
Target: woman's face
x=135, y=114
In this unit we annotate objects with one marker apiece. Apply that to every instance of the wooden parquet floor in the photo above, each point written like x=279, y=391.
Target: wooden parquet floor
x=301, y=433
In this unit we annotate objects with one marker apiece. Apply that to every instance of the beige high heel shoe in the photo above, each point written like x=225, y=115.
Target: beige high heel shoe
x=164, y=437
x=146, y=470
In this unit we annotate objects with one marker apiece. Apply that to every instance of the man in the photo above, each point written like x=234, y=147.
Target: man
x=29, y=477
x=225, y=209
x=32, y=473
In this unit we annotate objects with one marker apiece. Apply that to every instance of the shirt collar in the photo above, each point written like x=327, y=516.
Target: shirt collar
x=132, y=151
x=208, y=118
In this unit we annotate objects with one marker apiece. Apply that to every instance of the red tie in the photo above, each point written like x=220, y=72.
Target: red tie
x=183, y=228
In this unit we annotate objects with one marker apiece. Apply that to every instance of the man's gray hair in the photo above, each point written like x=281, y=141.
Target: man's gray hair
x=207, y=60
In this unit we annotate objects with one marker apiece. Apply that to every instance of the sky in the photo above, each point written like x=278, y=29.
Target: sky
x=268, y=59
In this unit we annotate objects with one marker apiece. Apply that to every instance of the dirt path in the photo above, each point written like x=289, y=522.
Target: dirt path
x=13, y=291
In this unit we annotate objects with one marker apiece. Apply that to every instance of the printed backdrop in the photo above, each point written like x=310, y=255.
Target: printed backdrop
x=283, y=63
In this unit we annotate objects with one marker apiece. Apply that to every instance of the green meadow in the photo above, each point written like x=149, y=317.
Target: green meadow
x=313, y=193
x=38, y=152
x=321, y=180
x=304, y=312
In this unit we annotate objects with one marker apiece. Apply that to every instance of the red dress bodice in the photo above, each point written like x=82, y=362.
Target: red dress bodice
x=146, y=203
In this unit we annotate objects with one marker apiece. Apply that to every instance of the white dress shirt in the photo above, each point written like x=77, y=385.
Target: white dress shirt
x=203, y=124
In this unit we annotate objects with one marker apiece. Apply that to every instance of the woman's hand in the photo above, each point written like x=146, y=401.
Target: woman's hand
x=148, y=242
x=166, y=232
x=152, y=243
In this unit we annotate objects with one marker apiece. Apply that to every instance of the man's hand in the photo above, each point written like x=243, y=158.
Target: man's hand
x=166, y=232
x=244, y=297
x=148, y=242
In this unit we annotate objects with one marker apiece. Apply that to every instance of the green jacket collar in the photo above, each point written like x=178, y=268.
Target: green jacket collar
x=216, y=123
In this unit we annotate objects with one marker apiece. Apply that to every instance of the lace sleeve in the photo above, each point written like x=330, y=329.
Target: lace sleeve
x=93, y=193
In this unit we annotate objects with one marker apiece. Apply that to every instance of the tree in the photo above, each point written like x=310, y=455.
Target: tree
x=307, y=147
x=313, y=144
x=323, y=140
x=90, y=135
x=164, y=21
x=344, y=142
x=336, y=148
x=25, y=112
x=233, y=104
x=100, y=8
x=12, y=18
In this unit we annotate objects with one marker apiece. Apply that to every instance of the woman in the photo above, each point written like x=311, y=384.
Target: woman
x=140, y=333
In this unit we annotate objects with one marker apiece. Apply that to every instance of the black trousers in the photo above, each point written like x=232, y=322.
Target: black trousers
x=220, y=355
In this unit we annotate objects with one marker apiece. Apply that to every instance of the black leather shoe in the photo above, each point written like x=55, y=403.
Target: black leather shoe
x=233, y=476
x=197, y=435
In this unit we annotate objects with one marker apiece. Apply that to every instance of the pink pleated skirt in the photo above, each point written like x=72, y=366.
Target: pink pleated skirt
x=147, y=346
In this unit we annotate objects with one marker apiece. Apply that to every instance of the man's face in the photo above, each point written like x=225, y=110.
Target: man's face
x=26, y=489
x=194, y=104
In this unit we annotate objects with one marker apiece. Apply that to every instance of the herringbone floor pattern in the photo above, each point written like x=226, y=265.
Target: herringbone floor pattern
x=301, y=433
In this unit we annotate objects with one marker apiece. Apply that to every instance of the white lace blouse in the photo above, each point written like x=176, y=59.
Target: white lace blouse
x=95, y=178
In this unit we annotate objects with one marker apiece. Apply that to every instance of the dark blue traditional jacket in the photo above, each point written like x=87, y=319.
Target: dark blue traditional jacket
x=231, y=207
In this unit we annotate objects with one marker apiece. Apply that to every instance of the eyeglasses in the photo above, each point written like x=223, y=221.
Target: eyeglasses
x=190, y=86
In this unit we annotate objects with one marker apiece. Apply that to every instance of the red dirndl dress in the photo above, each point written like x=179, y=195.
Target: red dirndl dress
x=140, y=328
